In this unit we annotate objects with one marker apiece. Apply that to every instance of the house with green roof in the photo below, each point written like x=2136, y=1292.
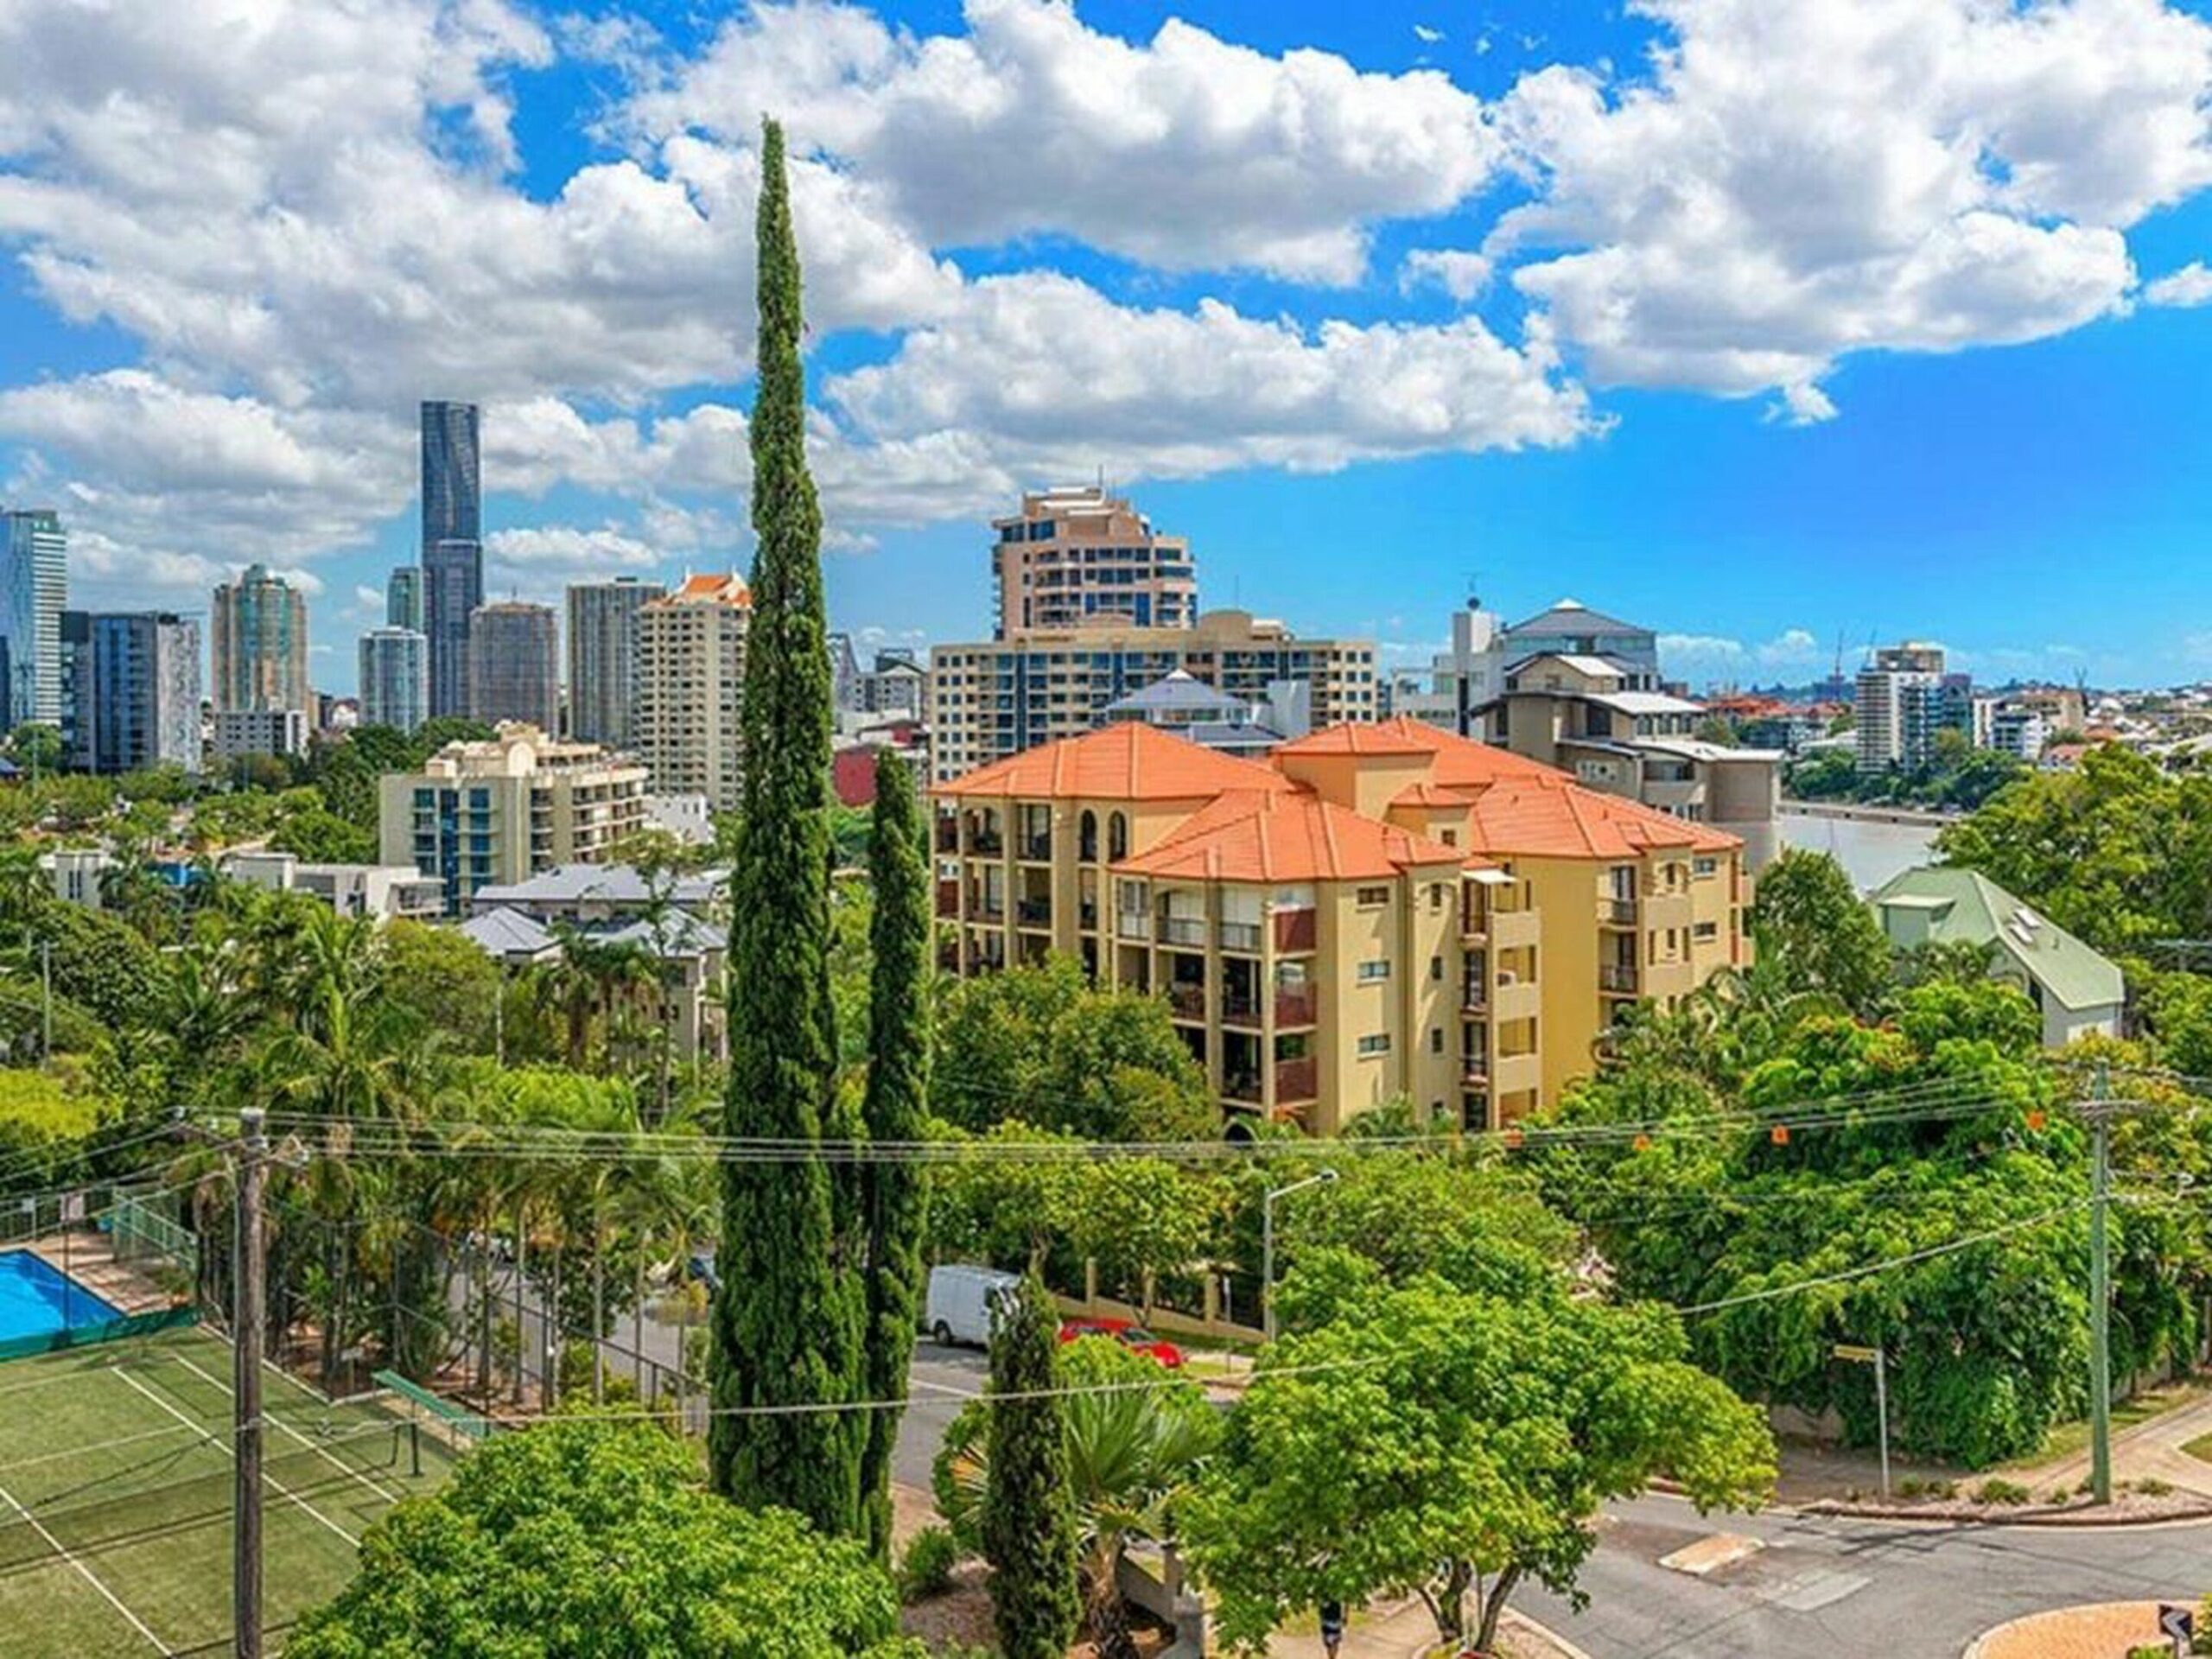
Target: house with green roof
x=2077, y=990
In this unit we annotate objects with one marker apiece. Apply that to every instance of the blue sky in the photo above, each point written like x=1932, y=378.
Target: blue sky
x=1770, y=323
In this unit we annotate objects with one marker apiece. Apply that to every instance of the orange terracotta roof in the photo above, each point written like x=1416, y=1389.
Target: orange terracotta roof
x=725, y=588
x=1426, y=794
x=1279, y=835
x=1454, y=760
x=1547, y=818
x=1126, y=761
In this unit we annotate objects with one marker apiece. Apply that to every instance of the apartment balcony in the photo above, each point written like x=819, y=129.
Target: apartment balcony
x=1297, y=1081
x=1511, y=929
x=1187, y=1002
x=1240, y=1008
x=1620, y=976
x=1037, y=850
x=1184, y=930
x=1243, y=937
x=986, y=844
x=948, y=899
x=1033, y=912
x=1086, y=916
x=1133, y=924
x=1245, y=1088
x=948, y=836
x=1295, y=930
x=1616, y=912
x=1474, y=1071
x=1294, y=1009
x=986, y=907
x=1474, y=998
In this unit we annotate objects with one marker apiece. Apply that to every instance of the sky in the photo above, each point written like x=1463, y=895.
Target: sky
x=1778, y=326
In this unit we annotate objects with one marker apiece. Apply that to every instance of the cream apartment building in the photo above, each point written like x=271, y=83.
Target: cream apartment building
x=688, y=725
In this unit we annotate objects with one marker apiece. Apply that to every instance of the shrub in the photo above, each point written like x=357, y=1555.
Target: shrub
x=1997, y=1490
x=2151, y=1486
x=925, y=1569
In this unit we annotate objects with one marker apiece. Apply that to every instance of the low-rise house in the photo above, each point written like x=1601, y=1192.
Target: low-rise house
x=381, y=891
x=2077, y=991
x=592, y=893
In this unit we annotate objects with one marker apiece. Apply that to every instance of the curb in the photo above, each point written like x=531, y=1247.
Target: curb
x=1528, y=1626
x=2048, y=1519
x=1980, y=1646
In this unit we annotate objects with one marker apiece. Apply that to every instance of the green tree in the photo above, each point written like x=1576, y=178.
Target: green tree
x=1136, y=1439
x=582, y=1540
x=1028, y=1526
x=1415, y=1438
x=790, y=1323
x=893, y=1110
x=1810, y=925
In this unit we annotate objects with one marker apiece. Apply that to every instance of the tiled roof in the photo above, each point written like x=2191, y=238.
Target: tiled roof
x=1128, y=760
x=1277, y=836
x=1552, y=817
x=723, y=588
x=1456, y=760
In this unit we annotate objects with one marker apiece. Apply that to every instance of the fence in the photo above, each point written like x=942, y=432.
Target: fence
x=106, y=1262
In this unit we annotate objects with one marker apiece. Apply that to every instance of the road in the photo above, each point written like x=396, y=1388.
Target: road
x=940, y=1381
x=1850, y=1589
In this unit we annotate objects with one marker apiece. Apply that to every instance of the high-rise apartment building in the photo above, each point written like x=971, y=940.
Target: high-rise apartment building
x=395, y=678
x=514, y=664
x=505, y=809
x=897, y=685
x=1076, y=556
x=603, y=659
x=132, y=699
x=1902, y=699
x=259, y=646
x=690, y=730
x=997, y=698
x=453, y=547
x=403, y=598
x=34, y=592
x=1378, y=912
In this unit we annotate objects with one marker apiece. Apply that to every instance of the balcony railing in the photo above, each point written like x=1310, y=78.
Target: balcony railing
x=1243, y=1087
x=987, y=843
x=1474, y=997
x=1297, y=1080
x=1184, y=930
x=984, y=908
x=1241, y=935
x=1617, y=977
x=1616, y=912
x=1033, y=912
x=1187, y=1002
x=1037, y=848
x=1294, y=928
x=948, y=899
x=1474, y=918
x=1240, y=1008
x=1133, y=924
x=1295, y=1008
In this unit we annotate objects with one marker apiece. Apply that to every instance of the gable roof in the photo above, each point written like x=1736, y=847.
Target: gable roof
x=608, y=884
x=1128, y=760
x=1455, y=761
x=1966, y=906
x=1286, y=836
x=1571, y=617
x=1552, y=817
x=508, y=934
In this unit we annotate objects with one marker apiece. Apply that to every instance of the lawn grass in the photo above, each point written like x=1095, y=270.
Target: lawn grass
x=2200, y=1448
x=2071, y=1439
x=115, y=1496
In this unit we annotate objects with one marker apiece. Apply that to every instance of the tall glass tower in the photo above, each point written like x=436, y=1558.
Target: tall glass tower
x=403, y=598
x=34, y=591
x=453, y=547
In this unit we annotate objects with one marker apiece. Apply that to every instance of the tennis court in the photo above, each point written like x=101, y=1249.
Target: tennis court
x=115, y=1495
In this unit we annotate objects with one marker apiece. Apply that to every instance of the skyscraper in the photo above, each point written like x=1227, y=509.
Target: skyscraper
x=133, y=690
x=403, y=598
x=34, y=590
x=395, y=678
x=259, y=644
x=1075, y=556
x=514, y=664
x=691, y=689
x=603, y=659
x=453, y=547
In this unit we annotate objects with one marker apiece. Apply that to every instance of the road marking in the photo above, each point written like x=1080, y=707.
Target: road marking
x=914, y=1383
x=324, y=1452
x=1813, y=1591
x=218, y=1442
x=1710, y=1555
x=90, y=1577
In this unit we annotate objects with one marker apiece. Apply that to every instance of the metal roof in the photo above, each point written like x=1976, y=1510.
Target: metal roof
x=1968, y=906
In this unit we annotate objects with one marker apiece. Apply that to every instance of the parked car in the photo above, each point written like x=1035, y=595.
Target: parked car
x=1130, y=1334
x=960, y=1302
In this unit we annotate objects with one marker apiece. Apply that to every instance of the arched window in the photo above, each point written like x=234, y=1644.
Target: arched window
x=1087, y=835
x=1117, y=838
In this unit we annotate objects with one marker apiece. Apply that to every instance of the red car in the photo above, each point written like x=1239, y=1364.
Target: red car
x=1130, y=1334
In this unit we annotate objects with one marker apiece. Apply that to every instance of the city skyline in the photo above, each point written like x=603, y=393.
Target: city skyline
x=1935, y=402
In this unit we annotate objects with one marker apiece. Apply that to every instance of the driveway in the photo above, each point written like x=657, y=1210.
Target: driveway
x=1832, y=1586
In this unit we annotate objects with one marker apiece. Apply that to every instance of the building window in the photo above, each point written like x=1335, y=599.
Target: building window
x=1117, y=838
x=1376, y=1043
x=1436, y=968
x=1371, y=971
x=1707, y=866
x=1436, y=1039
x=1436, y=895
x=1372, y=898
x=1449, y=838
x=1708, y=931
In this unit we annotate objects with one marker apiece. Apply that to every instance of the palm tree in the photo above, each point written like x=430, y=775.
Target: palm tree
x=585, y=979
x=1131, y=1450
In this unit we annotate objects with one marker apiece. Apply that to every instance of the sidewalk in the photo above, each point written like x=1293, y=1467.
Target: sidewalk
x=1405, y=1630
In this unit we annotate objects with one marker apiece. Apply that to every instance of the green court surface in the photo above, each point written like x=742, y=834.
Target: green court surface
x=115, y=1496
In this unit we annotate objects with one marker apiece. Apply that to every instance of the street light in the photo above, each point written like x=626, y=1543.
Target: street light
x=1267, y=1243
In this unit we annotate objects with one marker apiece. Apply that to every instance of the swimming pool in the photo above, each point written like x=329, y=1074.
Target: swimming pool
x=37, y=1299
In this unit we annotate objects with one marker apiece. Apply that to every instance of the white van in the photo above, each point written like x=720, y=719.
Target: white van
x=961, y=1300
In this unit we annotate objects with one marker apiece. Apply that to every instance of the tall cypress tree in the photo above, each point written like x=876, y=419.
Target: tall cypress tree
x=898, y=1088
x=789, y=1320
x=1029, y=1527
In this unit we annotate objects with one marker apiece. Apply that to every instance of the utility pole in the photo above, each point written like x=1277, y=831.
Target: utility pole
x=2099, y=1112
x=1267, y=1243
x=46, y=1004
x=246, y=1335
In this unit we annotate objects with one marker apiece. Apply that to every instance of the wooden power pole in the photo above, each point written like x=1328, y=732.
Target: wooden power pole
x=247, y=1314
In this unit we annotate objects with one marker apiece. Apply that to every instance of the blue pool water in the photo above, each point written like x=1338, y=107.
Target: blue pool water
x=37, y=1299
